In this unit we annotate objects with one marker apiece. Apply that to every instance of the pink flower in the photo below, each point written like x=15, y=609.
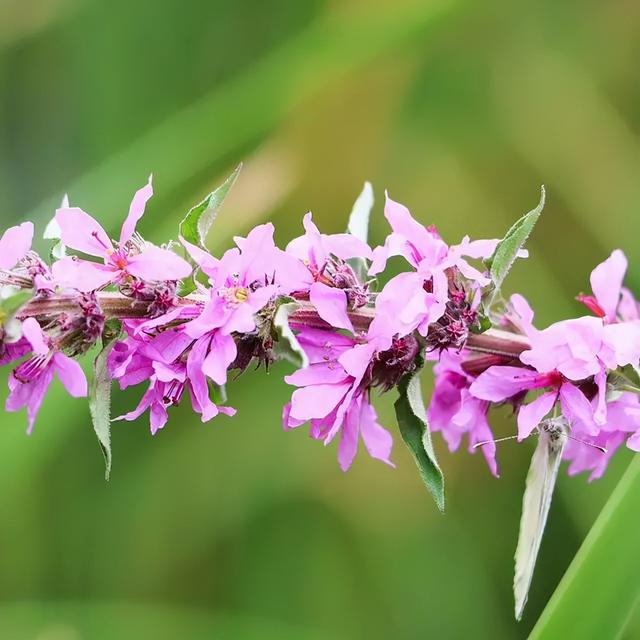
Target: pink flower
x=419, y=298
x=455, y=412
x=14, y=244
x=333, y=286
x=130, y=257
x=606, y=284
x=332, y=395
x=561, y=358
x=241, y=283
x=623, y=418
x=169, y=361
x=30, y=381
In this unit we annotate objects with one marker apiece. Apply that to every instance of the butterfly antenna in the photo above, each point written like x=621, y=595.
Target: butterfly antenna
x=589, y=444
x=485, y=442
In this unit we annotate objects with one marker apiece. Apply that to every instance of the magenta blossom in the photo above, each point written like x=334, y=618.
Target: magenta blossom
x=129, y=257
x=332, y=285
x=623, y=418
x=169, y=362
x=241, y=283
x=333, y=395
x=561, y=357
x=29, y=383
x=610, y=300
x=14, y=244
x=455, y=412
x=419, y=298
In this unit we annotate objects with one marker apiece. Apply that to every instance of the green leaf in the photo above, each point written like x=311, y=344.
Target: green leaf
x=414, y=427
x=359, y=218
x=286, y=345
x=10, y=305
x=359, y=226
x=186, y=287
x=507, y=250
x=600, y=590
x=53, y=232
x=196, y=224
x=100, y=393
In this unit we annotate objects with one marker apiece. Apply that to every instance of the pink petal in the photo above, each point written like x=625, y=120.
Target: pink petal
x=356, y=360
x=14, y=244
x=530, y=415
x=136, y=211
x=145, y=403
x=376, y=438
x=499, y=383
x=202, y=258
x=347, y=246
x=624, y=340
x=316, y=374
x=521, y=309
x=348, y=447
x=331, y=304
x=634, y=441
x=32, y=331
x=82, y=275
x=600, y=414
x=199, y=385
x=156, y=265
x=82, y=232
x=71, y=375
x=316, y=401
x=222, y=353
x=158, y=417
x=606, y=282
x=30, y=395
x=402, y=222
x=478, y=248
x=577, y=409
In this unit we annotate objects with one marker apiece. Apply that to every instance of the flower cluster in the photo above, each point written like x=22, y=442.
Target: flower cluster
x=184, y=320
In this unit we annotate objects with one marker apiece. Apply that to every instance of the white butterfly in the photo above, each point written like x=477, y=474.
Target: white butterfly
x=541, y=481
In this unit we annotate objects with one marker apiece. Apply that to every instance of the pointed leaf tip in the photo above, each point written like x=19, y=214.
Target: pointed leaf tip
x=510, y=246
x=100, y=395
x=199, y=220
x=359, y=218
x=414, y=427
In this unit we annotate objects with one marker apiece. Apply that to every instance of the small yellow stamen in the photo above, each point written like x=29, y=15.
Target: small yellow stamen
x=241, y=294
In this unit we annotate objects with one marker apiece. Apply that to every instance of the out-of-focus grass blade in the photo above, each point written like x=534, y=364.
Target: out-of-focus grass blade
x=233, y=116
x=601, y=588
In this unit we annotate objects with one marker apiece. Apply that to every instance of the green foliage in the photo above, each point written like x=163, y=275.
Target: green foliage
x=100, y=393
x=359, y=225
x=601, y=589
x=10, y=305
x=414, y=427
x=199, y=220
x=507, y=250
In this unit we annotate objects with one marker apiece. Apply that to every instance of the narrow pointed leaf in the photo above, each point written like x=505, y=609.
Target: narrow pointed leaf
x=507, y=250
x=412, y=420
x=197, y=223
x=100, y=395
x=359, y=226
x=359, y=218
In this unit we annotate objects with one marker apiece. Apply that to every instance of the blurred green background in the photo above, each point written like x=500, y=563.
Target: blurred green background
x=235, y=529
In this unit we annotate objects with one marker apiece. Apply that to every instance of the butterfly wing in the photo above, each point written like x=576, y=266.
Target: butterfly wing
x=541, y=481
